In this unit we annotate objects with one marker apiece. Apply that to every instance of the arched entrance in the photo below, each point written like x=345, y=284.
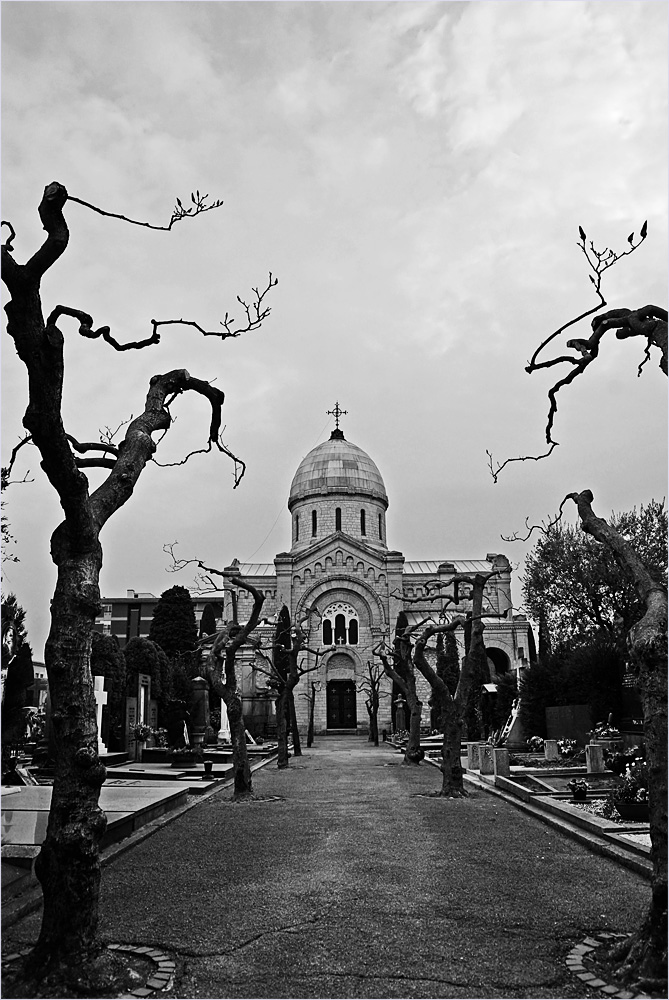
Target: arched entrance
x=341, y=708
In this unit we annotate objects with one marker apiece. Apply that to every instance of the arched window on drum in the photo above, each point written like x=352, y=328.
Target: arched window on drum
x=340, y=625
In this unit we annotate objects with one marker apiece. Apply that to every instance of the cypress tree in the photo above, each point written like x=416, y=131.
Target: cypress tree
x=173, y=625
x=208, y=620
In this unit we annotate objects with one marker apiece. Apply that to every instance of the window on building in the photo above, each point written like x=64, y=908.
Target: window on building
x=314, y=522
x=106, y=628
x=297, y=527
x=338, y=519
x=363, y=527
x=340, y=625
x=106, y=610
x=381, y=527
x=134, y=615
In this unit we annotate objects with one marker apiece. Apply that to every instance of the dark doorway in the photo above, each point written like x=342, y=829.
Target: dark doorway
x=341, y=705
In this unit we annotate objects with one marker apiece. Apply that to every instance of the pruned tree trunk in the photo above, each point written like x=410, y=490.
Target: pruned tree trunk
x=413, y=753
x=241, y=766
x=297, y=747
x=281, y=705
x=643, y=959
x=68, y=866
x=312, y=702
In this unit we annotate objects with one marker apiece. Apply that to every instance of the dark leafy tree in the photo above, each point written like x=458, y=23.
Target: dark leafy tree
x=576, y=588
x=68, y=866
x=208, y=621
x=173, y=625
x=18, y=662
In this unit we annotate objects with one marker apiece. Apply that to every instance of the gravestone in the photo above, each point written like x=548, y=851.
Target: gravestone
x=485, y=759
x=224, y=734
x=551, y=750
x=500, y=761
x=594, y=758
x=472, y=756
x=100, y=696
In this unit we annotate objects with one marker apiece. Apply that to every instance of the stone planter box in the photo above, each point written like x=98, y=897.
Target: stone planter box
x=637, y=812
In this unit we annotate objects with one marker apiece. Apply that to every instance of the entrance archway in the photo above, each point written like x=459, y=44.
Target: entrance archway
x=341, y=708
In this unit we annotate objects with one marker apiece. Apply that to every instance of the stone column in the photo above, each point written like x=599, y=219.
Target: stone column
x=199, y=709
x=224, y=735
x=551, y=750
x=472, y=756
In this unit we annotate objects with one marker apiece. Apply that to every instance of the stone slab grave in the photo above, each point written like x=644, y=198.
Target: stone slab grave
x=600, y=783
x=128, y=807
x=193, y=775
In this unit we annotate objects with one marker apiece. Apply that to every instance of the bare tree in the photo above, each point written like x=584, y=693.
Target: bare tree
x=222, y=675
x=284, y=671
x=648, y=322
x=371, y=686
x=460, y=709
x=68, y=865
x=398, y=665
x=642, y=959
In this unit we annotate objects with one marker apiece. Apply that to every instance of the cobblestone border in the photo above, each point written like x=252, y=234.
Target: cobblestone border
x=161, y=979
x=575, y=964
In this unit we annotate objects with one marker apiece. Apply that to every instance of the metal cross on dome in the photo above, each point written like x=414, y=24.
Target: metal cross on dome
x=336, y=413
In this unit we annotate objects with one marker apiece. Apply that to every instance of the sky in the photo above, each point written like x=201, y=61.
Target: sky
x=414, y=173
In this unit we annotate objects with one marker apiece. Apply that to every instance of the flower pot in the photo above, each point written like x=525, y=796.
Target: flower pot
x=635, y=811
x=139, y=749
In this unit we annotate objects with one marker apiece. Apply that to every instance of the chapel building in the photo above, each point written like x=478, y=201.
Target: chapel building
x=340, y=566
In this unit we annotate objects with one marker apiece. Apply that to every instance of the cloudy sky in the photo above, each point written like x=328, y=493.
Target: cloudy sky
x=415, y=175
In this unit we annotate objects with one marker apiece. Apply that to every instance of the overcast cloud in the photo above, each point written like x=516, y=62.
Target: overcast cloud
x=415, y=175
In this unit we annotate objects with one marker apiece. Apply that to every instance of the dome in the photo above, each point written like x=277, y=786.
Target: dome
x=337, y=466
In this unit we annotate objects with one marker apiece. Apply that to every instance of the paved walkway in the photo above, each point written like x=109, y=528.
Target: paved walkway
x=354, y=883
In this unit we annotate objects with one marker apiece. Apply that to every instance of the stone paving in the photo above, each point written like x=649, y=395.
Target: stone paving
x=349, y=880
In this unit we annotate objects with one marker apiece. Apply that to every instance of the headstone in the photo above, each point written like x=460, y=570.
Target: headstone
x=130, y=717
x=551, y=750
x=224, y=735
x=400, y=719
x=100, y=696
x=500, y=760
x=594, y=758
x=486, y=765
x=472, y=756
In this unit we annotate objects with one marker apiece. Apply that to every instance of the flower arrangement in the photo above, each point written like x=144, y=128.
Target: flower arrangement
x=619, y=762
x=535, y=744
x=605, y=731
x=566, y=748
x=160, y=736
x=186, y=752
x=141, y=732
x=578, y=787
x=634, y=786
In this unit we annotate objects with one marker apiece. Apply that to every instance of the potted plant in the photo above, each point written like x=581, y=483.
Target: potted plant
x=535, y=744
x=630, y=797
x=140, y=734
x=578, y=788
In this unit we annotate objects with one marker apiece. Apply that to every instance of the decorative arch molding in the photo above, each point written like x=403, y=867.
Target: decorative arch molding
x=347, y=585
x=344, y=666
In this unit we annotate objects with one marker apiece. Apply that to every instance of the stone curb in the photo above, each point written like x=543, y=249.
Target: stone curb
x=575, y=964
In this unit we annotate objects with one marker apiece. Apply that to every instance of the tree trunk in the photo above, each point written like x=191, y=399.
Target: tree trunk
x=413, y=753
x=310, y=730
x=240, y=757
x=282, y=728
x=68, y=865
x=297, y=749
x=451, y=764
